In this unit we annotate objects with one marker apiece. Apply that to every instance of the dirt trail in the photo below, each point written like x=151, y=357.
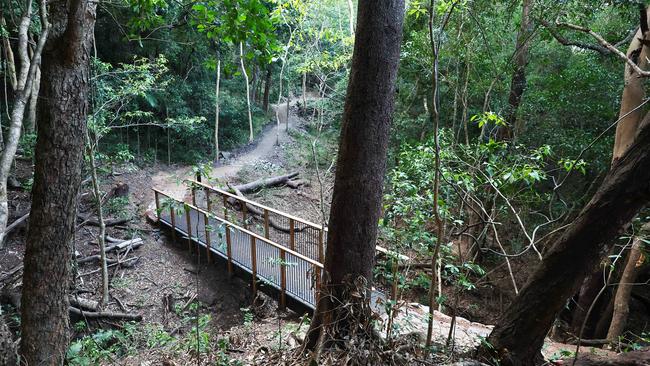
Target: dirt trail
x=171, y=181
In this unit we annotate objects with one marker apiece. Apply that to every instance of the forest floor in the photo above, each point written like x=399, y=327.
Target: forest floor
x=175, y=291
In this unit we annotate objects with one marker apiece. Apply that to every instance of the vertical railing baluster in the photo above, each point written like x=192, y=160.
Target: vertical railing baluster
x=225, y=207
x=244, y=213
x=229, y=249
x=193, y=190
x=292, y=238
x=283, y=279
x=189, y=228
x=254, y=265
x=155, y=193
x=208, y=204
x=266, y=223
x=172, y=217
x=321, y=249
x=208, y=240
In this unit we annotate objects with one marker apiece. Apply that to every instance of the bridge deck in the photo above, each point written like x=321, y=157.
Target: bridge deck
x=293, y=269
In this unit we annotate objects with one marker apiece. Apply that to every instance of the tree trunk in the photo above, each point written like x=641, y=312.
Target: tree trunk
x=624, y=291
x=518, y=82
x=9, y=57
x=361, y=165
x=630, y=116
x=216, y=112
x=351, y=18
x=33, y=101
x=520, y=332
x=267, y=88
x=21, y=96
x=57, y=176
x=100, y=218
x=248, y=92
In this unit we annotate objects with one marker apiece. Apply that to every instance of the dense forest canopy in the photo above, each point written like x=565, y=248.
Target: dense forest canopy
x=440, y=162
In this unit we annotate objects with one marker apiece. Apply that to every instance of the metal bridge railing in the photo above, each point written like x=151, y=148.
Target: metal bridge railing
x=236, y=237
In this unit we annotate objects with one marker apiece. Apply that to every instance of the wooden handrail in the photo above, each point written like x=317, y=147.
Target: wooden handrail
x=288, y=216
x=256, y=236
x=270, y=209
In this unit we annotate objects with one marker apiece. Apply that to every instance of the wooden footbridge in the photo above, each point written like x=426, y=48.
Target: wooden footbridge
x=279, y=250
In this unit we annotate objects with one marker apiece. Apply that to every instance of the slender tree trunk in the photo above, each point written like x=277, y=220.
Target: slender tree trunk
x=304, y=91
x=624, y=291
x=9, y=57
x=518, y=82
x=100, y=217
x=21, y=96
x=57, y=176
x=267, y=88
x=520, y=332
x=351, y=18
x=361, y=165
x=216, y=112
x=33, y=101
x=248, y=92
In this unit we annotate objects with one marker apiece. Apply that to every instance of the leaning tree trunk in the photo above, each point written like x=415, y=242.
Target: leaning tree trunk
x=519, y=334
x=631, y=113
x=21, y=96
x=361, y=165
x=518, y=82
x=61, y=128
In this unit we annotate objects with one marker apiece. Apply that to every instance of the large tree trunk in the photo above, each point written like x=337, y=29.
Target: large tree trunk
x=361, y=165
x=630, y=116
x=520, y=331
x=57, y=175
x=518, y=82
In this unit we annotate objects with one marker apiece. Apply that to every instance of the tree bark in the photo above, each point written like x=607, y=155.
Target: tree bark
x=361, y=165
x=520, y=332
x=518, y=82
x=9, y=56
x=57, y=177
x=33, y=102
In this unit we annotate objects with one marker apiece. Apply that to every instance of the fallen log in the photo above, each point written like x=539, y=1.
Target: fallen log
x=297, y=183
x=103, y=314
x=634, y=358
x=107, y=223
x=81, y=303
x=133, y=243
x=266, y=183
x=257, y=212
